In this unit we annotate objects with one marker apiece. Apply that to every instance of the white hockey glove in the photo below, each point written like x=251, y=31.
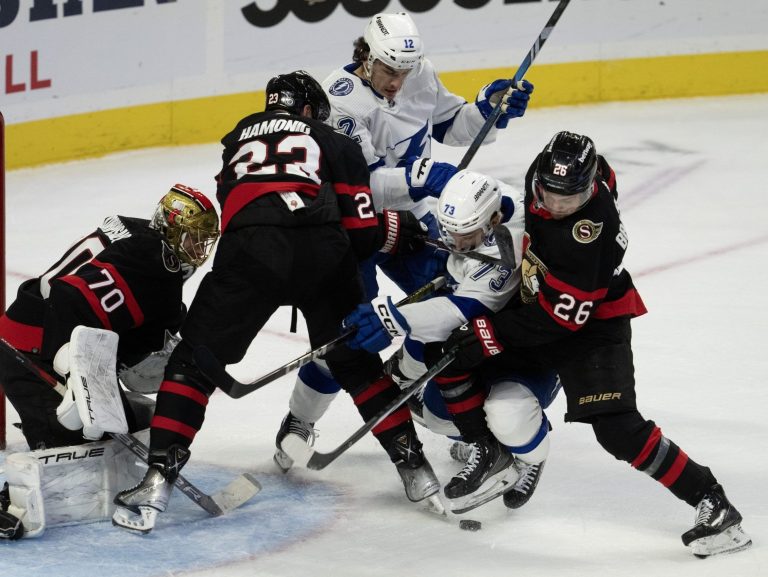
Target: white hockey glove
x=377, y=322
x=514, y=104
x=426, y=177
x=92, y=400
x=146, y=376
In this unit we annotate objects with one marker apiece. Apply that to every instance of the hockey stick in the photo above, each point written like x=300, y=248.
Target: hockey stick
x=213, y=369
x=440, y=245
x=230, y=497
x=490, y=122
x=304, y=455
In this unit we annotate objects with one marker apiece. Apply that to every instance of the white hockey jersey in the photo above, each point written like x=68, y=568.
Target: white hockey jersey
x=479, y=288
x=391, y=132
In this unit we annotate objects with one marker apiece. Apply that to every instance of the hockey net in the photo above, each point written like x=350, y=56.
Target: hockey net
x=2, y=263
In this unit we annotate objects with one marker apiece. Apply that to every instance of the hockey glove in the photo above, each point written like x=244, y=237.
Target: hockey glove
x=377, y=322
x=475, y=342
x=402, y=233
x=426, y=177
x=515, y=100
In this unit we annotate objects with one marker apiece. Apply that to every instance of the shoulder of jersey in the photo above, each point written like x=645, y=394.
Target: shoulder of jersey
x=342, y=83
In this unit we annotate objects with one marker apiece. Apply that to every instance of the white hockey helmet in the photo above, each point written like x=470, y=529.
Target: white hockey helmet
x=465, y=209
x=394, y=40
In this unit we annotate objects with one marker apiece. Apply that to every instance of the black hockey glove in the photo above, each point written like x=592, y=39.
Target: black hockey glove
x=474, y=342
x=401, y=232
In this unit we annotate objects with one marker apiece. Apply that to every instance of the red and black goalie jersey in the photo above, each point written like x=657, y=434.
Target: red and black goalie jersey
x=122, y=277
x=572, y=269
x=273, y=152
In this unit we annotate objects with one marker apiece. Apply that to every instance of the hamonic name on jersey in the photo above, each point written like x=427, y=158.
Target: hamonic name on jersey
x=274, y=125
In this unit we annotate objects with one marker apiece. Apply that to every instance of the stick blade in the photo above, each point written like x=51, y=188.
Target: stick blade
x=241, y=490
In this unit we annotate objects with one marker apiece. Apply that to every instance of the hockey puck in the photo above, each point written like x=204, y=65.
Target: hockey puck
x=469, y=525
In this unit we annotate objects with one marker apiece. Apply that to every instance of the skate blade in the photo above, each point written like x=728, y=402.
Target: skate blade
x=434, y=505
x=474, y=500
x=140, y=523
x=732, y=540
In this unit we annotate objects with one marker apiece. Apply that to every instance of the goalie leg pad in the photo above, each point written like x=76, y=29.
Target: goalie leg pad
x=68, y=485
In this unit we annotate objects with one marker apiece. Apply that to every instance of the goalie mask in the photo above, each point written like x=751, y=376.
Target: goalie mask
x=565, y=174
x=189, y=223
x=466, y=210
x=295, y=90
x=394, y=40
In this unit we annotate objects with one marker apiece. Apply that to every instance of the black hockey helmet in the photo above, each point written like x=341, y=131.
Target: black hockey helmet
x=293, y=91
x=568, y=164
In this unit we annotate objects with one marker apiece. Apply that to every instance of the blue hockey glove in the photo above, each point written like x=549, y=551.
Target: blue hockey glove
x=377, y=322
x=426, y=177
x=515, y=100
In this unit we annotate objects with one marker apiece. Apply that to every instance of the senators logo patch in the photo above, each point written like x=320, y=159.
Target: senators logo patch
x=585, y=231
x=170, y=260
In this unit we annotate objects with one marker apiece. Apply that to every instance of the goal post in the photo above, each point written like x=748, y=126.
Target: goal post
x=2, y=264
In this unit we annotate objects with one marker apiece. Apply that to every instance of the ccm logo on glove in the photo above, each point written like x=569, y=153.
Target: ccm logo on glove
x=382, y=309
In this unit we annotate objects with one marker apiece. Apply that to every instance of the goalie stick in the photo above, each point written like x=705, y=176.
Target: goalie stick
x=490, y=122
x=236, y=493
x=213, y=369
x=304, y=455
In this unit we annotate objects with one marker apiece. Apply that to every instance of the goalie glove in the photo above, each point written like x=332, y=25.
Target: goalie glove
x=426, y=177
x=515, y=100
x=377, y=322
x=146, y=376
x=401, y=231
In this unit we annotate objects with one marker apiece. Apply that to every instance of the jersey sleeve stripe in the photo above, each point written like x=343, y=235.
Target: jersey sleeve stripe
x=130, y=300
x=24, y=337
x=350, y=189
x=578, y=294
x=353, y=222
x=547, y=306
x=629, y=304
x=91, y=298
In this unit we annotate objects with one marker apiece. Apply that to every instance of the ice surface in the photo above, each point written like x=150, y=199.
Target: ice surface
x=692, y=179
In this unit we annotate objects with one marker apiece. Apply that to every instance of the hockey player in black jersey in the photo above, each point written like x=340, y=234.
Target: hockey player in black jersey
x=297, y=217
x=577, y=302
x=126, y=277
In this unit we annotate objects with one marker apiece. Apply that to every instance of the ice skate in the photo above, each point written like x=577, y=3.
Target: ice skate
x=295, y=426
x=418, y=478
x=717, y=528
x=525, y=485
x=138, y=507
x=488, y=474
x=11, y=527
